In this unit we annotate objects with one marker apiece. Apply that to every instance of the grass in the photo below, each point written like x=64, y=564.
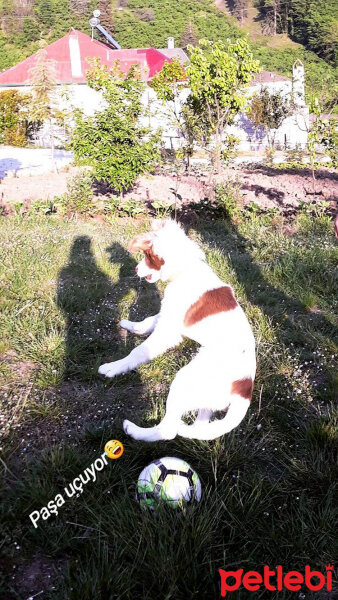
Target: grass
x=268, y=487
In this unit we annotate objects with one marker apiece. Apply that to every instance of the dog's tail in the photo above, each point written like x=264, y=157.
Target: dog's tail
x=209, y=431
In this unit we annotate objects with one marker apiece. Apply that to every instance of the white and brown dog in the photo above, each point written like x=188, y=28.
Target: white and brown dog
x=197, y=305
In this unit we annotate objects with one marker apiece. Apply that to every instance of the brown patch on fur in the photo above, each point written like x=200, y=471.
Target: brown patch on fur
x=243, y=387
x=153, y=261
x=144, y=242
x=210, y=303
x=140, y=242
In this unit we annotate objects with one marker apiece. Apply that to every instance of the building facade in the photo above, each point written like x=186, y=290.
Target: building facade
x=70, y=58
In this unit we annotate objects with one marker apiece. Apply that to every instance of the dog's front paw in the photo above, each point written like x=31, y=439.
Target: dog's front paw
x=129, y=428
x=128, y=325
x=111, y=369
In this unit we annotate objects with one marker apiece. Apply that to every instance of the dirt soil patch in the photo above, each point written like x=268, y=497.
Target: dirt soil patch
x=268, y=187
x=26, y=189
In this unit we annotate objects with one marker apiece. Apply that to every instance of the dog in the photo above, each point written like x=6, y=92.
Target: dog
x=197, y=304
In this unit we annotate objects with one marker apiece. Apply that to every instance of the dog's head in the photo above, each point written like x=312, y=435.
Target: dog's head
x=167, y=250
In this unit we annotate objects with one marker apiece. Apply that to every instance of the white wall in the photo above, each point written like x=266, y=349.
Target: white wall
x=293, y=131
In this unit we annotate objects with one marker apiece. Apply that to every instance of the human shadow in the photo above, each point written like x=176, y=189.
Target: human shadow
x=91, y=302
x=297, y=328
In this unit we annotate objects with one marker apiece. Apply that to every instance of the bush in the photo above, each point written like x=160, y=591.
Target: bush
x=113, y=141
x=14, y=123
x=227, y=198
x=79, y=197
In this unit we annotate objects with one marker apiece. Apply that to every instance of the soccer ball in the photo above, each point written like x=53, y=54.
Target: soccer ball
x=170, y=480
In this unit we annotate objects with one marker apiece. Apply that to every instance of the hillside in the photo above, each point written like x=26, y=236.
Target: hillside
x=28, y=24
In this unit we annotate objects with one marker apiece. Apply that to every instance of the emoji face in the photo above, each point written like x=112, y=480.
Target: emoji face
x=113, y=449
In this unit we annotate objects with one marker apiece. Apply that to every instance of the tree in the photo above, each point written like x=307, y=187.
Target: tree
x=169, y=84
x=113, y=141
x=189, y=35
x=46, y=13
x=218, y=73
x=268, y=110
x=274, y=14
x=240, y=9
x=44, y=104
x=106, y=17
x=324, y=134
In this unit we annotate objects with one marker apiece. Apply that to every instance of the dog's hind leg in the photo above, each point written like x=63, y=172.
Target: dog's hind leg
x=166, y=430
x=210, y=431
x=142, y=327
x=177, y=404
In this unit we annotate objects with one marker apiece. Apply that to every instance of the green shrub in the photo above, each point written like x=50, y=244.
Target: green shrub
x=162, y=208
x=14, y=123
x=113, y=141
x=227, y=198
x=79, y=197
x=132, y=207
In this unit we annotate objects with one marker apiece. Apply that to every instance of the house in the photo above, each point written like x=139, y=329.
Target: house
x=293, y=132
x=70, y=57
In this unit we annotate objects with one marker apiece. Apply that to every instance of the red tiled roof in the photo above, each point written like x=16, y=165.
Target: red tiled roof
x=73, y=69
x=268, y=77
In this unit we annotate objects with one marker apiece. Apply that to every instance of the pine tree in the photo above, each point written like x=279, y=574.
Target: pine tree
x=189, y=35
x=46, y=14
x=274, y=15
x=43, y=109
x=80, y=7
x=106, y=18
x=240, y=9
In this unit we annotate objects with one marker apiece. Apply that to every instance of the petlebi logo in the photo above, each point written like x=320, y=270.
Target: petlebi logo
x=275, y=580
x=113, y=449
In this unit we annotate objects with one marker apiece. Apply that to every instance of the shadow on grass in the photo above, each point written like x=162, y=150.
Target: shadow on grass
x=267, y=494
x=92, y=303
x=298, y=328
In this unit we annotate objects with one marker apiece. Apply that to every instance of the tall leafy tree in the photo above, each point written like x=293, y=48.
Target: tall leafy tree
x=169, y=84
x=218, y=73
x=14, y=120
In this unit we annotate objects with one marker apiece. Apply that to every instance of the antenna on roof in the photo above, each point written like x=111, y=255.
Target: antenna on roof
x=94, y=23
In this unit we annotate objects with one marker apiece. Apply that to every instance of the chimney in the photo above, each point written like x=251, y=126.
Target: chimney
x=171, y=42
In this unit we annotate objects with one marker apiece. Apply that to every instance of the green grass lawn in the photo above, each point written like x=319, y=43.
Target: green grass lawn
x=268, y=487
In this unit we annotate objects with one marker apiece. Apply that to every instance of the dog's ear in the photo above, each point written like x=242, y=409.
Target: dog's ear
x=144, y=241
